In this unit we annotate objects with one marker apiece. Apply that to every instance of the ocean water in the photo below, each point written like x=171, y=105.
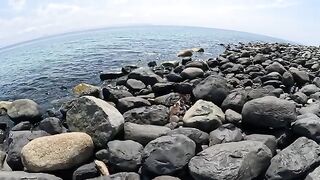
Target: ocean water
x=45, y=70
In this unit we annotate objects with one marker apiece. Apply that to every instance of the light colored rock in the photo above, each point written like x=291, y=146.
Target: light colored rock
x=185, y=53
x=204, y=115
x=24, y=110
x=5, y=104
x=61, y=151
x=86, y=89
x=95, y=117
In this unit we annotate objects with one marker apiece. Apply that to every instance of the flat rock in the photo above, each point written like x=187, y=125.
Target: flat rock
x=85, y=172
x=135, y=85
x=204, y=115
x=269, y=140
x=57, y=152
x=143, y=133
x=146, y=75
x=155, y=115
x=228, y=161
x=168, y=154
x=24, y=110
x=128, y=103
x=95, y=117
x=295, y=160
x=213, y=88
x=198, y=136
x=268, y=112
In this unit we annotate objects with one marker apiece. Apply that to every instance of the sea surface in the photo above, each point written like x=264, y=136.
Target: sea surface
x=46, y=69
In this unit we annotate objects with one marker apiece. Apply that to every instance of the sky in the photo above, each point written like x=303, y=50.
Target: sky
x=294, y=20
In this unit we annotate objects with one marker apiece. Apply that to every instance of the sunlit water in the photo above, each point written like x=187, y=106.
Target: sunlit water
x=46, y=70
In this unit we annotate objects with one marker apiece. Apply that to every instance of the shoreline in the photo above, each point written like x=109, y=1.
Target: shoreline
x=255, y=105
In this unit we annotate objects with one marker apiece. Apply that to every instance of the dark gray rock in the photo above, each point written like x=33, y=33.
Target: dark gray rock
x=268, y=112
x=173, y=77
x=198, y=136
x=300, y=77
x=168, y=154
x=52, y=125
x=119, y=176
x=24, y=110
x=308, y=127
x=276, y=67
x=124, y=155
x=269, y=140
x=192, y=73
x=135, y=85
x=113, y=95
x=16, y=141
x=168, y=99
x=143, y=133
x=183, y=87
x=213, y=88
x=95, y=117
x=110, y=75
x=162, y=88
x=128, y=103
x=155, y=115
x=145, y=75
x=224, y=134
x=235, y=160
x=22, y=126
x=85, y=172
x=287, y=79
x=261, y=92
x=128, y=68
x=19, y=175
x=235, y=101
x=295, y=160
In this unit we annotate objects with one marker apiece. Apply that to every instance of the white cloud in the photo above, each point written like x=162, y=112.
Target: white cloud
x=17, y=4
x=57, y=17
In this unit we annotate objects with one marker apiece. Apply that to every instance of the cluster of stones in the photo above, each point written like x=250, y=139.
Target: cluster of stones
x=251, y=113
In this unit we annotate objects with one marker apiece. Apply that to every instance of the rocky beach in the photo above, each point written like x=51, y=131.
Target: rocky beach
x=253, y=112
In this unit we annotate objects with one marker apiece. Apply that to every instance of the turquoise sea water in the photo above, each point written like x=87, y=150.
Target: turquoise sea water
x=45, y=70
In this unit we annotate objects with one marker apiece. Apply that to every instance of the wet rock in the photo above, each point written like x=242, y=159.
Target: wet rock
x=127, y=103
x=213, y=88
x=224, y=134
x=199, y=137
x=61, y=151
x=18, y=175
x=235, y=160
x=95, y=117
x=128, y=69
x=155, y=115
x=17, y=140
x=295, y=160
x=185, y=53
x=232, y=117
x=204, y=115
x=197, y=49
x=135, y=85
x=110, y=75
x=24, y=110
x=85, y=172
x=6, y=124
x=268, y=112
x=84, y=89
x=119, y=176
x=168, y=154
x=191, y=73
x=145, y=75
x=124, y=155
x=143, y=134
x=52, y=125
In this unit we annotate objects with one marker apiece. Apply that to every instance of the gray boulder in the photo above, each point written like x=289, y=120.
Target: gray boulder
x=17, y=140
x=198, y=136
x=22, y=126
x=295, y=160
x=313, y=108
x=127, y=103
x=85, y=172
x=229, y=161
x=269, y=140
x=314, y=175
x=235, y=101
x=309, y=89
x=119, y=176
x=300, y=77
x=191, y=73
x=232, y=117
x=95, y=117
x=268, y=112
x=204, y=115
x=224, y=134
x=124, y=155
x=19, y=175
x=24, y=110
x=308, y=127
x=168, y=99
x=135, y=85
x=276, y=67
x=143, y=133
x=155, y=115
x=213, y=88
x=168, y=154
x=146, y=75
x=52, y=125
